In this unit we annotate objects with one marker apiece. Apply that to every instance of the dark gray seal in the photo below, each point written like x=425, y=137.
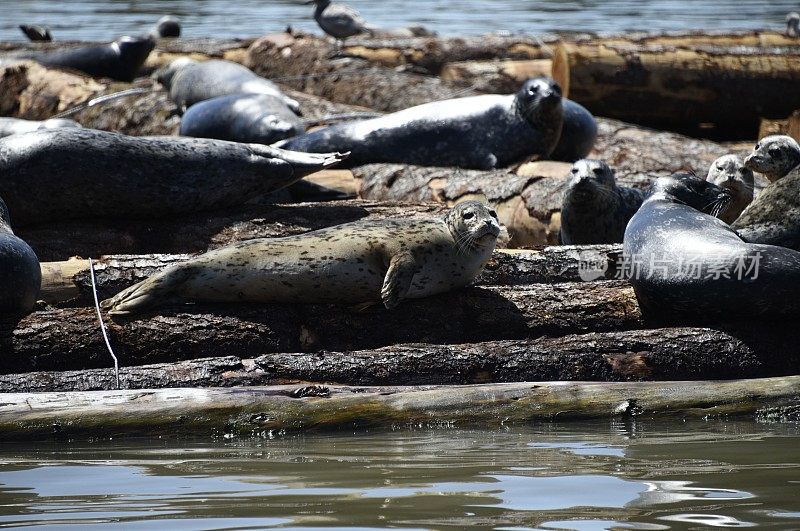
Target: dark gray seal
x=250, y=118
x=482, y=132
x=774, y=216
x=119, y=60
x=190, y=82
x=15, y=126
x=20, y=273
x=684, y=262
x=354, y=263
x=595, y=209
x=578, y=133
x=729, y=172
x=166, y=27
x=58, y=174
x=36, y=33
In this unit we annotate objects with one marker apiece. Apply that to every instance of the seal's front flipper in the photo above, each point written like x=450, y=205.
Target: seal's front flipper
x=154, y=291
x=402, y=269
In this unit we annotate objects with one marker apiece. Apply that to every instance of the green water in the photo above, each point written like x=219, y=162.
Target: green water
x=634, y=475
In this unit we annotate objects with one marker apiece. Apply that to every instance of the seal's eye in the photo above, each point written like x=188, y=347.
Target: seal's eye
x=598, y=171
x=774, y=152
x=493, y=214
x=533, y=89
x=468, y=215
x=758, y=146
x=574, y=171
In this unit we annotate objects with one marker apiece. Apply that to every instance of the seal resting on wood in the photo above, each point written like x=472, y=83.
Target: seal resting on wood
x=595, y=209
x=480, y=132
x=774, y=216
x=684, y=262
x=20, y=274
x=57, y=174
x=355, y=263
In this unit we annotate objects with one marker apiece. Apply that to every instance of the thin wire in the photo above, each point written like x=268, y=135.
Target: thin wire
x=101, y=99
x=102, y=324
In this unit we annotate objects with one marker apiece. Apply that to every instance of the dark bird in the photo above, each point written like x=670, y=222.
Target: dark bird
x=340, y=21
x=36, y=33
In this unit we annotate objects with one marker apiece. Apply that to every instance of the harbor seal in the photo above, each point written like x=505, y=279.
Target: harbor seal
x=166, y=27
x=729, y=172
x=684, y=262
x=578, y=133
x=15, y=126
x=20, y=274
x=191, y=81
x=57, y=174
x=793, y=24
x=119, y=60
x=259, y=118
x=595, y=209
x=480, y=132
x=354, y=263
x=774, y=216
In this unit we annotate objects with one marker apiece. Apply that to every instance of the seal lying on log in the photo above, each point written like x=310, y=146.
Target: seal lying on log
x=191, y=81
x=773, y=218
x=119, y=60
x=59, y=174
x=355, y=263
x=730, y=173
x=595, y=209
x=683, y=262
x=480, y=132
x=15, y=126
x=20, y=274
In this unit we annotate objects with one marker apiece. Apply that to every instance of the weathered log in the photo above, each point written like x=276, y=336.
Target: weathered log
x=202, y=231
x=68, y=283
x=256, y=411
x=692, y=39
x=703, y=90
x=662, y=354
x=70, y=338
x=787, y=126
x=498, y=76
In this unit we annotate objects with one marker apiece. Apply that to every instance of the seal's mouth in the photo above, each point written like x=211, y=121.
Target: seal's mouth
x=754, y=162
x=486, y=232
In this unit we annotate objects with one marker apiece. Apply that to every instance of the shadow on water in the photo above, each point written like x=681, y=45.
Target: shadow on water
x=578, y=476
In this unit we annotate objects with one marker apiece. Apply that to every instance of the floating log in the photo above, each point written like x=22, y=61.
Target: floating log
x=660, y=354
x=708, y=90
x=70, y=338
x=256, y=411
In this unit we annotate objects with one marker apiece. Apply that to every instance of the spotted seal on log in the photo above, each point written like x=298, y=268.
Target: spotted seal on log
x=684, y=262
x=729, y=172
x=192, y=81
x=56, y=174
x=578, y=133
x=15, y=126
x=595, y=209
x=774, y=216
x=480, y=132
x=20, y=273
x=259, y=118
x=119, y=60
x=365, y=261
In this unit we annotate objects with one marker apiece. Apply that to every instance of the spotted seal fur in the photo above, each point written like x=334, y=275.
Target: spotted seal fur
x=360, y=262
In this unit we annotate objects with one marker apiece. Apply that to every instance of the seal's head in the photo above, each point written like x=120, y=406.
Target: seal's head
x=691, y=190
x=166, y=74
x=774, y=156
x=729, y=172
x=539, y=99
x=473, y=225
x=167, y=26
x=590, y=179
x=793, y=24
x=134, y=50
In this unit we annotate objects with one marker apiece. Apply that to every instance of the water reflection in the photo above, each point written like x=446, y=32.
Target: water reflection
x=592, y=476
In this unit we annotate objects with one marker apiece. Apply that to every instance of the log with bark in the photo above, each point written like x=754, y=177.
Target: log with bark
x=720, y=91
x=257, y=411
x=70, y=338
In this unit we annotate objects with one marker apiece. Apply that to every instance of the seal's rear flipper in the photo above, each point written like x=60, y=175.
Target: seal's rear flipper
x=154, y=291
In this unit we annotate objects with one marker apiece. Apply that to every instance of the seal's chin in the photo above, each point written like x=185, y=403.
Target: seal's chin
x=754, y=162
x=486, y=234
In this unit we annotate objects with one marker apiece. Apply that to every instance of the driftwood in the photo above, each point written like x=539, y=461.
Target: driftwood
x=498, y=76
x=661, y=354
x=64, y=339
x=788, y=126
x=202, y=231
x=256, y=411
x=712, y=90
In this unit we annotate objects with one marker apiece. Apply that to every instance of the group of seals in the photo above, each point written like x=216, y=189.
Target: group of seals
x=359, y=262
x=15, y=126
x=595, y=209
x=481, y=132
x=20, y=274
x=686, y=262
x=55, y=174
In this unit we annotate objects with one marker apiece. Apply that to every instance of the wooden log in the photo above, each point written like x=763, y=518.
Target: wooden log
x=68, y=284
x=203, y=231
x=787, y=126
x=64, y=339
x=662, y=354
x=256, y=411
x=708, y=90
x=498, y=76
x=692, y=39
